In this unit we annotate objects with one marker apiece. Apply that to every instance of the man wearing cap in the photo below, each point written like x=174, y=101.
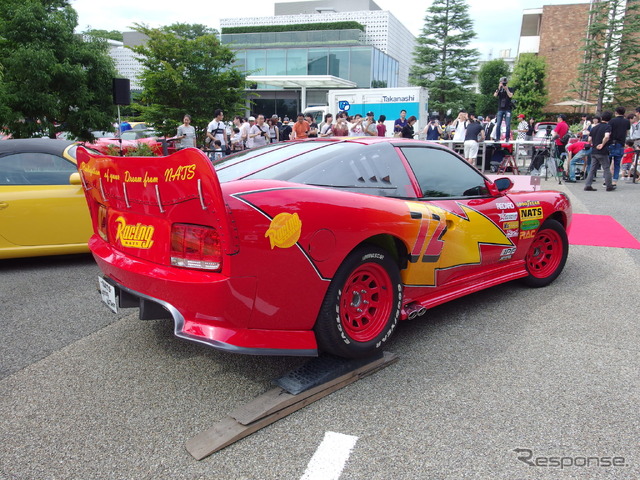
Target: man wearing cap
x=370, y=129
x=250, y=123
x=504, y=95
x=259, y=132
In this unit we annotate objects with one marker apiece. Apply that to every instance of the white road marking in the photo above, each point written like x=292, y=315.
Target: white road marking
x=330, y=457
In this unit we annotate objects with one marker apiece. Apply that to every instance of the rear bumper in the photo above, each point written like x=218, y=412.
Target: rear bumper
x=207, y=308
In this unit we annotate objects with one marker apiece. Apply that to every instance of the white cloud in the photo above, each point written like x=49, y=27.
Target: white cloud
x=497, y=24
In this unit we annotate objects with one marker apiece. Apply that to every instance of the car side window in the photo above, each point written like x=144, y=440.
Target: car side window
x=442, y=174
x=372, y=169
x=35, y=169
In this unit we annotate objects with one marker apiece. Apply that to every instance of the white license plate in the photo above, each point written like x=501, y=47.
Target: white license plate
x=108, y=293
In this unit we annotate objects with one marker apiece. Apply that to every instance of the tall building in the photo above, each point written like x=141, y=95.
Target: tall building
x=296, y=67
x=126, y=61
x=557, y=33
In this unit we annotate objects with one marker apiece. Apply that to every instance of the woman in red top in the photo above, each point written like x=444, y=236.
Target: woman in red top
x=382, y=128
x=341, y=129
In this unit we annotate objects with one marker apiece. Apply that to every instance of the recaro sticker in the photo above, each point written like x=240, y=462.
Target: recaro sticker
x=285, y=230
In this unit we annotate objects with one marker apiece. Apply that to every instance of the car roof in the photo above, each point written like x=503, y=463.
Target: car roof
x=38, y=145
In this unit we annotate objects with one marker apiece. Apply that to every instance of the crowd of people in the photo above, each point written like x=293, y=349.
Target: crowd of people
x=610, y=140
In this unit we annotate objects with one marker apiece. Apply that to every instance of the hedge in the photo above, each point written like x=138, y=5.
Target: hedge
x=299, y=27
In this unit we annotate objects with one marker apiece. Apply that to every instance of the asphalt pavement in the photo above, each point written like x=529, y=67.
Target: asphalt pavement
x=502, y=384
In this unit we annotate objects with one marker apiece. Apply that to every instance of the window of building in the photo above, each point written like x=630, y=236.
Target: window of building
x=256, y=61
x=361, y=66
x=297, y=61
x=339, y=62
x=276, y=62
x=318, y=61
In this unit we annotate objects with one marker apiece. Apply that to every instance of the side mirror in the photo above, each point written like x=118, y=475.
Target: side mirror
x=74, y=179
x=503, y=184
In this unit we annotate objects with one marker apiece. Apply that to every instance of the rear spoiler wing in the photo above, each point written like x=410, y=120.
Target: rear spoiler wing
x=152, y=185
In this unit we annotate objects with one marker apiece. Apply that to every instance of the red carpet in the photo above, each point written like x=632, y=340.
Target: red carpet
x=600, y=231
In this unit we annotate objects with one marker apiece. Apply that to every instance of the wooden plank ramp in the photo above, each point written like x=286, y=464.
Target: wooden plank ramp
x=273, y=405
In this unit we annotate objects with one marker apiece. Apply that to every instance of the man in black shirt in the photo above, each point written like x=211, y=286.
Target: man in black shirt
x=619, y=128
x=599, y=137
x=474, y=130
x=504, y=95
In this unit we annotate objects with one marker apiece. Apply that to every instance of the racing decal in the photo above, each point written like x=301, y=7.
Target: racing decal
x=182, y=172
x=530, y=224
x=510, y=225
x=508, y=217
x=145, y=180
x=505, y=205
x=508, y=251
x=442, y=240
x=527, y=234
x=511, y=233
x=134, y=236
x=284, y=230
x=531, y=213
x=528, y=203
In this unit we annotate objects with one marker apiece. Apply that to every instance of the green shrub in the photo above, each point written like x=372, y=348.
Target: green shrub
x=298, y=27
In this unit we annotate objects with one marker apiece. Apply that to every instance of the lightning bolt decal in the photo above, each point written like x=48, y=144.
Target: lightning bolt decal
x=447, y=239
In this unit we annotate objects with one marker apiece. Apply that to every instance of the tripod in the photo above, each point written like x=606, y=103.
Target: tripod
x=546, y=157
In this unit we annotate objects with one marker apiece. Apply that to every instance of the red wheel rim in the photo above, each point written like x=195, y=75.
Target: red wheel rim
x=366, y=302
x=545, y=253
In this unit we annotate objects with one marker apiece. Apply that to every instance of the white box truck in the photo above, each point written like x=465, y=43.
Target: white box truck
x=380, y=101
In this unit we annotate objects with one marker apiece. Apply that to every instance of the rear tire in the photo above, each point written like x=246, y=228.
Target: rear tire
x=547, y=254
x=362, y=305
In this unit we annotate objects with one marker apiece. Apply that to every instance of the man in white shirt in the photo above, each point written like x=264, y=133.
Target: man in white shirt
x=216, y=130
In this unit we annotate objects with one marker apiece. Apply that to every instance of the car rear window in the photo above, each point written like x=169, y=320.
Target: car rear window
x=242, y=164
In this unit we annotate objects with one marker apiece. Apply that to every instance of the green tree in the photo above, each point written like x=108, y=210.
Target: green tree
x=488, y=77
x=53, y=79
x=187, y=71
x=442, y=62
x=610, y=73
x=528, y=81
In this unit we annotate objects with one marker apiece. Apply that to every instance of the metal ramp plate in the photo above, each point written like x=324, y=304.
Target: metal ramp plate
x=332, y=374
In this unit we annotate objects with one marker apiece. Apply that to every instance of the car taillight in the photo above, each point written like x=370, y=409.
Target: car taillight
x=195, y=246
x=102, y=222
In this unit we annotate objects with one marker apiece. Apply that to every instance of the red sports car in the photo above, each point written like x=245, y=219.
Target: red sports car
x=316, y=245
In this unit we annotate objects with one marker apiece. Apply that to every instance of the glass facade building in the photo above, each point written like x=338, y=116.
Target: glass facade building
x=373, y=51
x=365, y=66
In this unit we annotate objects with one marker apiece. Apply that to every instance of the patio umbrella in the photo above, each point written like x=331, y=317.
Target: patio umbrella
x=575, y=103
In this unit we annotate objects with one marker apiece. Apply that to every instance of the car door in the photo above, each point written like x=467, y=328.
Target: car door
x=38, y=204
x=467, y=229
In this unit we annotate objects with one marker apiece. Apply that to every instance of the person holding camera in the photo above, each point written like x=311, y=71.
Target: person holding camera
x=433, y=130
x=259, y=132
x=504, y=94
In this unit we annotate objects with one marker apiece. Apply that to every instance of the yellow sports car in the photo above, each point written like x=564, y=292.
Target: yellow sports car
x=42, y=206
